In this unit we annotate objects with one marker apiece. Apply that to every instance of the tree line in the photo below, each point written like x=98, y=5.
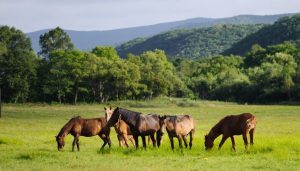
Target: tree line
x=63, y=74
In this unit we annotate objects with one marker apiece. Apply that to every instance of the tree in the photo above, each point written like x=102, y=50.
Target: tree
x=67, y=70
x=18, y=65
x=106, y=51
x=157, y=74
x=55, y=39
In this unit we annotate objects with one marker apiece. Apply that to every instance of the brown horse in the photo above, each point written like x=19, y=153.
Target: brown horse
x=122, y=129
x=179, y=126
x=140, y=125
x=78, y=126
x=232, y=125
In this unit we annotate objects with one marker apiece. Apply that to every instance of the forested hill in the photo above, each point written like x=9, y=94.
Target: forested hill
x=87, y=40
x=191, y=43
x=285, y=29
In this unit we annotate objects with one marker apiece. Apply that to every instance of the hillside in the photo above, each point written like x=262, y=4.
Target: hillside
x=191, y=43
x=86, y=40
x=285, y=29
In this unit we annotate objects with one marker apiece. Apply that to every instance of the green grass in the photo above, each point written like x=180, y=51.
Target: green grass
x=27, y=139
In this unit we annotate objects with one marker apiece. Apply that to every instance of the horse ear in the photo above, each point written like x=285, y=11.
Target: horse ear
x=164, y=117
x=109, y=107
x=104, y=108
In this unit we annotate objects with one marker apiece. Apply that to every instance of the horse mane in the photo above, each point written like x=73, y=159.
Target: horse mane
x=67, y=127
x=130, y=117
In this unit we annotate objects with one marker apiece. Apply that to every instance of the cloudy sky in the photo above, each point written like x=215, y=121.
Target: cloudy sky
x=32, y=15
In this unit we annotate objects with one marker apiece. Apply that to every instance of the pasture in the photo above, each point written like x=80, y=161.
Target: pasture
x=27, y=139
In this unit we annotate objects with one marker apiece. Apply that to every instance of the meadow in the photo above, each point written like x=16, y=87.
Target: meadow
x=27, y=138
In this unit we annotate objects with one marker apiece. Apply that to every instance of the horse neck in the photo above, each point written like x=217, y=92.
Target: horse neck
x=130, y=118
x=215, y=131
x=67, y=128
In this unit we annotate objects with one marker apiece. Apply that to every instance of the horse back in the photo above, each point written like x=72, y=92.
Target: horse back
x=88, y=127
x=237, y=124
x=148, y=124
x=180, y=124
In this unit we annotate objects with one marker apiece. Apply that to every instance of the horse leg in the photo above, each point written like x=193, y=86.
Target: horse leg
x=144, y=141
x=105, y=142
x=132, y=140
x=120, y=140
x=245, y=140
x=222, y=141
x=125, y=140
x=136, y=140
x=233, y=142
x=172, y=142
x=108, y=141
x=191, y=138
x=185, y=141
x=179, y=141
x=251, y=132
x=73, y=144
x=153, y=140
x=77, y=143
x=158, y=139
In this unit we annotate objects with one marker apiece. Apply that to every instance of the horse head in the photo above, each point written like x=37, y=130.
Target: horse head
x=162, y=123
x=209, y=143
x=114, y=117
x=60, y=142
x=160, y=132
x=108, y=112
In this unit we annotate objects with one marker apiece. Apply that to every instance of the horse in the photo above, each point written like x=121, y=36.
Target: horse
x=179, y=126
x=122, y=129
x=78, y=126
x=140, y=125
x=232, y=125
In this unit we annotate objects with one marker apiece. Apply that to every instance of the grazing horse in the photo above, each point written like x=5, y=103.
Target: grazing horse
x=179, y=126
x=232, y=125
x=122, y=129
x=140, y=125
x=78, y=126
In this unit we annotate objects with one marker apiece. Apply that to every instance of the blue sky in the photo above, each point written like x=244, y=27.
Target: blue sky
x=32, y=15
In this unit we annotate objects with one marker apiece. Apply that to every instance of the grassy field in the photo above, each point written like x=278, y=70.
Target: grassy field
x=27, y=139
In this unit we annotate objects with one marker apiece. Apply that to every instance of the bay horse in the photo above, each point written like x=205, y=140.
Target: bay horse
x=122, y=129
x=232, y=125
x=179, y=126
x=78, y=126
x=140, y=125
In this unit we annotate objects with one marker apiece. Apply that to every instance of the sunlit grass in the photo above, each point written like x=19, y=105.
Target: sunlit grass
x=27, y=139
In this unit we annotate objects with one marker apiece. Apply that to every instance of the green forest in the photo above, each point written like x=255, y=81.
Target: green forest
x=191, y=43
x=197, y=63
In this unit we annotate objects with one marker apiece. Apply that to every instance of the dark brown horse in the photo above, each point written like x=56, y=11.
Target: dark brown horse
x=140, y=125
x=179, y=126
x=78, y=126
x=232, y=125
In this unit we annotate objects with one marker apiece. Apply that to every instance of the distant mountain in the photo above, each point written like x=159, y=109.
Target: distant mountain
x=191, y=43
x=285, y=29
x=86, y=40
